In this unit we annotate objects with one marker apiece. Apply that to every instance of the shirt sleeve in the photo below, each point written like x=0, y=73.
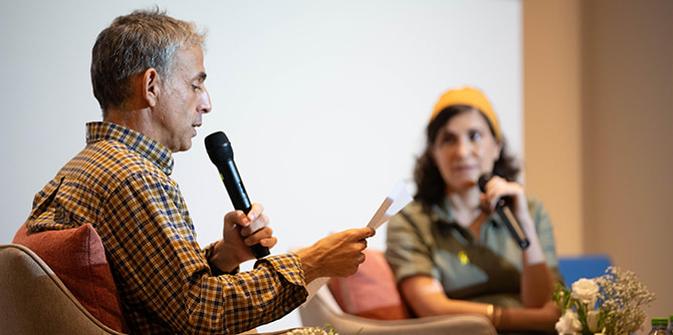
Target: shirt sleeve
x=214, y=270
x=161, y=270
x=545, y=233
x=406, y=252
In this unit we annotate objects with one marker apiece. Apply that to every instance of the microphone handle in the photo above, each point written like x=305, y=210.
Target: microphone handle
x=512, y=225
x=239, y=198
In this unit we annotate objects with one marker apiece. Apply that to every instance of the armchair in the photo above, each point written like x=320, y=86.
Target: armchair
x=374, y=274
x=33, y=300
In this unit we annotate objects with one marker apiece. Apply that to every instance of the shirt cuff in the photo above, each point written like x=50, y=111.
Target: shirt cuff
x=288, y=266
x=214, y=270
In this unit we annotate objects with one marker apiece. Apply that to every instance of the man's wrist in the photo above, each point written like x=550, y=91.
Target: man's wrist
x=218, y=265
x=309, y=264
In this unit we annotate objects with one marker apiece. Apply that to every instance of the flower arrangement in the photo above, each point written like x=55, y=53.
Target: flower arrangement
x=328, y=330
x=611, y=304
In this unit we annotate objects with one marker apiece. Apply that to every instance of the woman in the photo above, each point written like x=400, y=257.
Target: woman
x=450, y=254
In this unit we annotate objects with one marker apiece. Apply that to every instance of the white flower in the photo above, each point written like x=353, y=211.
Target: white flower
x=568, y=323
x=586, y=291
x=592, y=321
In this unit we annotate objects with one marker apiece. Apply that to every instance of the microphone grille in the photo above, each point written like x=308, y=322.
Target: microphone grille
x=218, y=147
x=216, y=139
x=483, y=180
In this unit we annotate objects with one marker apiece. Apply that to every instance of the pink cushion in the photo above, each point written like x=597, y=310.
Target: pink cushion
x=77, y=257
x=371, y=292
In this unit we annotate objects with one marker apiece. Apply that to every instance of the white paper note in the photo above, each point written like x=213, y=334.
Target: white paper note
x=393, y=203
x=396, y=200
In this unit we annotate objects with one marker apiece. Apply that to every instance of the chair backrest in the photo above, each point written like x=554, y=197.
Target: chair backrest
x=33, y=300
x=573, y=268
x=371, y=292
x=77, y=257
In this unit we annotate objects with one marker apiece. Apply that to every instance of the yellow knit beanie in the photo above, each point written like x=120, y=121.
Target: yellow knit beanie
x=469, y=96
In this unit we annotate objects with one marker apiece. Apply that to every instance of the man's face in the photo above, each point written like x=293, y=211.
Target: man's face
x=182, y=101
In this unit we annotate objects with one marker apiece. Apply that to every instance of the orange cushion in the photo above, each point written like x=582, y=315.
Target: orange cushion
x=77, y=257
x=371, y=292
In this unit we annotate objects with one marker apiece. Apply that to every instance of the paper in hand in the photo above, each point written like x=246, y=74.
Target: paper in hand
x=392, y=204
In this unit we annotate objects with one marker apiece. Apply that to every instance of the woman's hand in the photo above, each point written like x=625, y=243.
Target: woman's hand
x=497, y=188
x=541, y=319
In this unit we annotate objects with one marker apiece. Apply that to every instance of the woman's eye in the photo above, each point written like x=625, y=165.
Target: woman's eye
x=196, y=87
x=474, y=135
x=446, y=139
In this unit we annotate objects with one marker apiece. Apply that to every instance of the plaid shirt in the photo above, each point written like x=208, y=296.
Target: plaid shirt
x=120, y=184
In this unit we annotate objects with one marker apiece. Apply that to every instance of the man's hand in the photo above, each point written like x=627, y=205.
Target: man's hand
x=337, y=255
x=240, y=232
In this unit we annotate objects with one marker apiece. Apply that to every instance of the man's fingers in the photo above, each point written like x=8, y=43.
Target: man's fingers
x=236, y=218
x=362, y=258
x=261, y=222
x=361, y=233
x=269, y=242
x=255, y=219
x=361, y=244
x=255, y=211
x=353, y=267
x=263, y=233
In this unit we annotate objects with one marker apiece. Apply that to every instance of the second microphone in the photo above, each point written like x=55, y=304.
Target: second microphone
x=506, y=216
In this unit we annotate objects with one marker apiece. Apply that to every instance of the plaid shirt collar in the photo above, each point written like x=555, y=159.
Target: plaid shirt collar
x=148, y=148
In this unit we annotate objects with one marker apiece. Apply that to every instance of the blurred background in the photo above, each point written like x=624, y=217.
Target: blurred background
x=325, y=103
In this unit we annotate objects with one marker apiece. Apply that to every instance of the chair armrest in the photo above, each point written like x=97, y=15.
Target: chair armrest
x=318, y=313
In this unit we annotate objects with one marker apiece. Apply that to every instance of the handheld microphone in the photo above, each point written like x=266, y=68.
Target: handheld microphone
x=506, y=216
x=222, y=155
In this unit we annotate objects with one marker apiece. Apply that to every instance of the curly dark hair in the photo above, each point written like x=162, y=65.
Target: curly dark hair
x=430, y=186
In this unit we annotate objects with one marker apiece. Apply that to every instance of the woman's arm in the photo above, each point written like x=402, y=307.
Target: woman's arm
x=536, y=279
x=426, y=297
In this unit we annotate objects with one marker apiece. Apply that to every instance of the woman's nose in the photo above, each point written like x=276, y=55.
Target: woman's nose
x=463, y=148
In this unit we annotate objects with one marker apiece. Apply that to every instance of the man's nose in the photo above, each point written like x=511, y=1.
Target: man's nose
x=204, y=105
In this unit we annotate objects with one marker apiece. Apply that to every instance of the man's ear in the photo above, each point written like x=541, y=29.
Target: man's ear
x=151, y=86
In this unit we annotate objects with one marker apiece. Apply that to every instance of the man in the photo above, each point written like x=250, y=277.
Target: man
x=148, y=76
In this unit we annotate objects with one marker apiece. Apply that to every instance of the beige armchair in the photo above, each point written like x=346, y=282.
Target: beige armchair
x=33, y=300
x=372, y=294
x=323, y=310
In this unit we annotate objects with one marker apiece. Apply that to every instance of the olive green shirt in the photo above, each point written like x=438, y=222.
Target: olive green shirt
x=484, y=268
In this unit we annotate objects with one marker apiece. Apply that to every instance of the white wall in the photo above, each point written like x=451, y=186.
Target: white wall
x=324, y=101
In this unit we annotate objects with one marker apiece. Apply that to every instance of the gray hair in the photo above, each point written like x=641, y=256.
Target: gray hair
x=132, y=44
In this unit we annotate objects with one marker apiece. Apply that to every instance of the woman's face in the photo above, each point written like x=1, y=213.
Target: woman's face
x=464, y=149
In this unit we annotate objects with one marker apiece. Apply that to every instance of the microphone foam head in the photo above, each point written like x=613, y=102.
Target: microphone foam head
x=483, y=180
x=218, y=147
